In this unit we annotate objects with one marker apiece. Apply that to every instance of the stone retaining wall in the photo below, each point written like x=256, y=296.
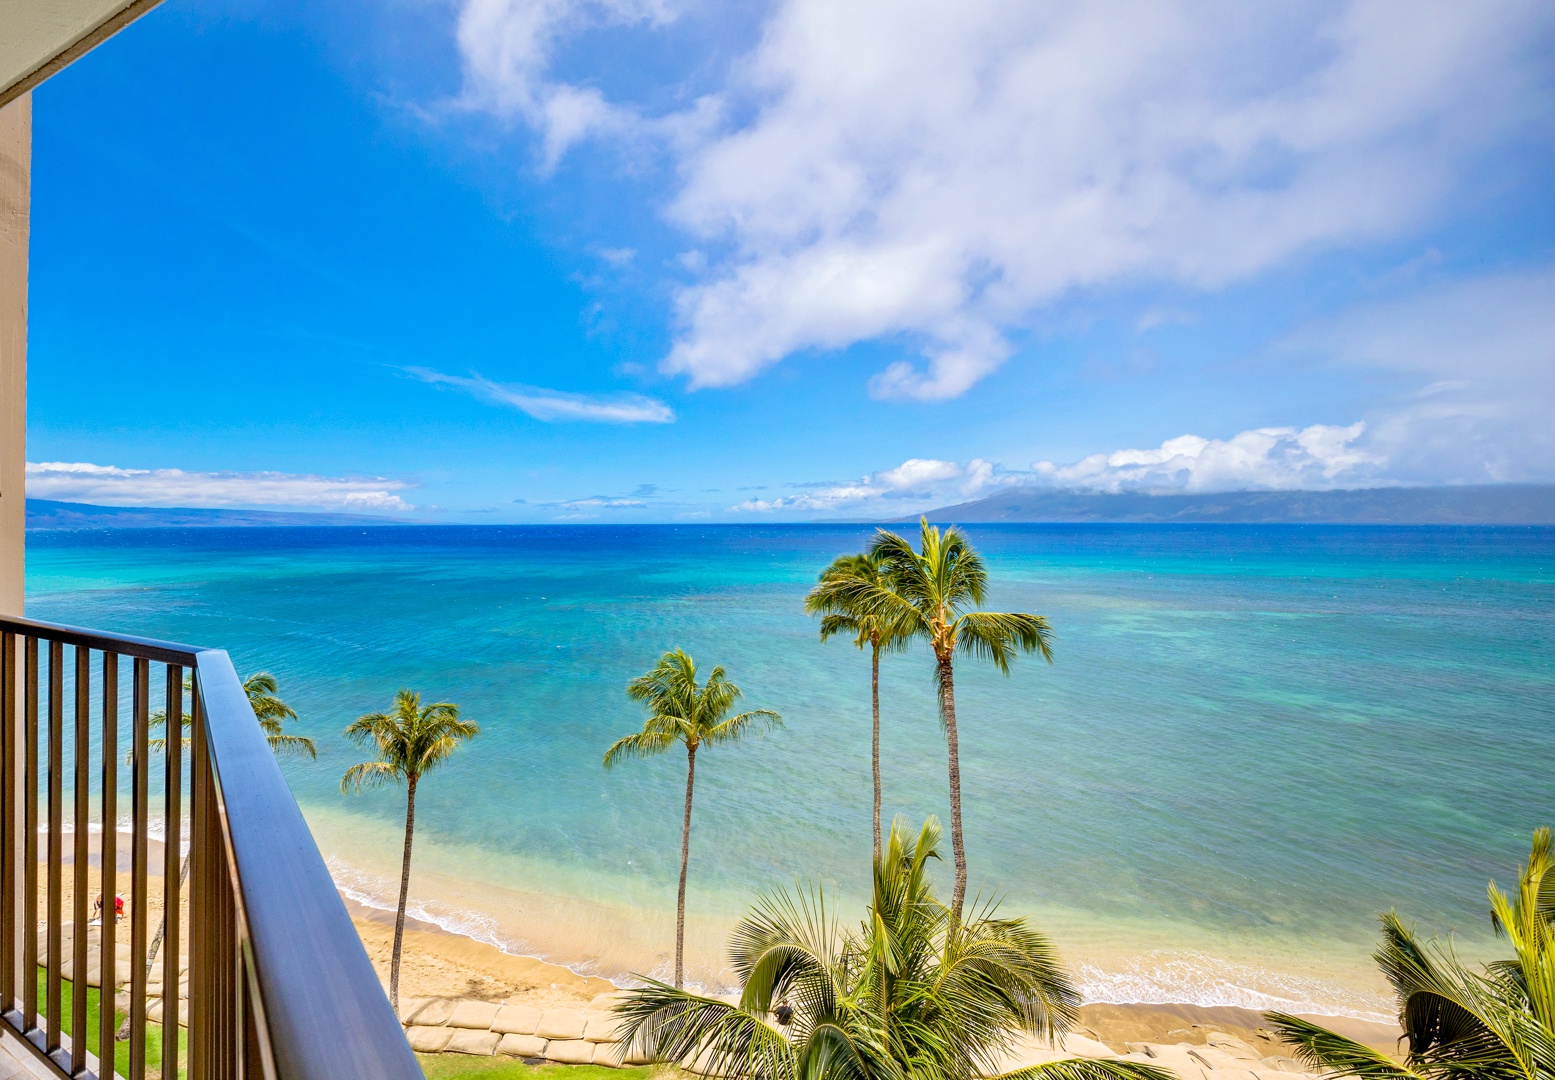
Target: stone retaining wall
x=587, y=1036
x=590, y=1036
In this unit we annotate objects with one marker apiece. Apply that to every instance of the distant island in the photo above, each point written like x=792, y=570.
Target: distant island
x=47, y=514
x=1490, y=504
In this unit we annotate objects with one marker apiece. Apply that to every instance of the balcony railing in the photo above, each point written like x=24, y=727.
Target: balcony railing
x=279, y=985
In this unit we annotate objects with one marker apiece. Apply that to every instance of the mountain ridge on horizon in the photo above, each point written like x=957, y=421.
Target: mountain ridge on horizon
x=1480, y=504
x=53, y=514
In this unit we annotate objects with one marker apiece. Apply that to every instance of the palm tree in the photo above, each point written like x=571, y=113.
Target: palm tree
x=830, y=600
x=927, y=593
x=1497, y=1023
x=913, y=993
x=681, y=710
x=271, y=712
x=411, y=741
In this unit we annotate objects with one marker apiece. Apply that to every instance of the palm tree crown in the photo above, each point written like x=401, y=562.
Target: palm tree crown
x=934, y=592
x=271, y=712
x=411, y=740
x=913, y=992
x=682, y=711
x=931, y=593
x=1494, y=1024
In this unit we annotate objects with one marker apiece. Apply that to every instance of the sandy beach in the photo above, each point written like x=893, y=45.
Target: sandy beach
x=437, y=963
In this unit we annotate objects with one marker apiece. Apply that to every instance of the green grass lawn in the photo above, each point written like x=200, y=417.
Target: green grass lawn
x=461, y=1066
x=121, y=1051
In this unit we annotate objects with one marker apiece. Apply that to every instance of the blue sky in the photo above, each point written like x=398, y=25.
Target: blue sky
x=509, y=260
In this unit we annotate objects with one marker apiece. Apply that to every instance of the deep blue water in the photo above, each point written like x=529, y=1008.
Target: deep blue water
x=1252, y=739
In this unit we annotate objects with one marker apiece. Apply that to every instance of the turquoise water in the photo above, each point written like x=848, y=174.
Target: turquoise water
x=1253, y=738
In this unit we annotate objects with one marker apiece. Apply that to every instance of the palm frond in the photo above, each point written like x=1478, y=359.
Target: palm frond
x=297, y=745
x=1497, y=1023
x=738, y=727
x=370, y=774
x=672, y=1025
x=1328, y=1052
x=998, y=636
x=1088, y=1069
x=642, y=744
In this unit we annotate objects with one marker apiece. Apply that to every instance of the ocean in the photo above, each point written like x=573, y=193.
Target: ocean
x=1252, y=740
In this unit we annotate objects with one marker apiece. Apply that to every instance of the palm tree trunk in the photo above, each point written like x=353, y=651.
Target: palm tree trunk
x=685, y=857
x=874, y=750
x=947, y=701
x=399, y=915
x=151, y=952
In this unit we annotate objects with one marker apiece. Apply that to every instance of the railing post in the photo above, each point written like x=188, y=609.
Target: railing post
x=80, y=833
x=9, y=805
x=108, y=956
x=28, y=982
x=139, y=751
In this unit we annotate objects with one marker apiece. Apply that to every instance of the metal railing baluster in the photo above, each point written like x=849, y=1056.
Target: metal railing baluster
x=172, y=867
x=29, y=906
x=199, y=896
x=8, y=808
x=108, y=957
x=80, y=833
x=56, y=853
x=138, y=887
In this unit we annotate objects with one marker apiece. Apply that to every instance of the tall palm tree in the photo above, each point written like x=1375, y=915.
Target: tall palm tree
x=928, y=594
x=1497, y=1023
x=913, y=993
x=694, y=715
x=411, y=740
x=831, y=600
x=271, y=712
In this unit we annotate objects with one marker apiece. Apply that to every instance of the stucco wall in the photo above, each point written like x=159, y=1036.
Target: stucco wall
x=15, y=176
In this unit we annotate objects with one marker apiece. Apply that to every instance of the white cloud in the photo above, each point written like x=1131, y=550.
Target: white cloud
x=549, y=405
x=943, y=173
x=915, y=482
x=508, y=47
x=109, y=485
x=1478, y=358
x=1320, y=456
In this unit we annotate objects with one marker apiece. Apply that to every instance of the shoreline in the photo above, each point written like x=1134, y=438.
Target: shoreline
x=1124, y=965
x=440, y=963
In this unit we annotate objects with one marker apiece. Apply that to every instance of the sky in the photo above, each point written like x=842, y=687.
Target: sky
x=665, y=260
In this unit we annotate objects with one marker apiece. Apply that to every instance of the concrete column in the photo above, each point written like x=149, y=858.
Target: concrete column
x=15, y=200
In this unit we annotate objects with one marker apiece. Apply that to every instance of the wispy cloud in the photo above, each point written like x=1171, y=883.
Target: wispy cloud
x=109, y=485
x=917, y=482
x=601, y=502
x=554, y=405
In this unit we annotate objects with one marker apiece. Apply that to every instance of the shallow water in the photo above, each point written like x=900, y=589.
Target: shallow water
x=1253, y=738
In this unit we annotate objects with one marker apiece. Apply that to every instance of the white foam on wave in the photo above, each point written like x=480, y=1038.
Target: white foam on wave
x=381, y=894
x=1155, y=978
x=1196, y=979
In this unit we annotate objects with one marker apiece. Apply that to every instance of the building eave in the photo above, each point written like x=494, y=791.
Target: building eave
x=40, y=37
